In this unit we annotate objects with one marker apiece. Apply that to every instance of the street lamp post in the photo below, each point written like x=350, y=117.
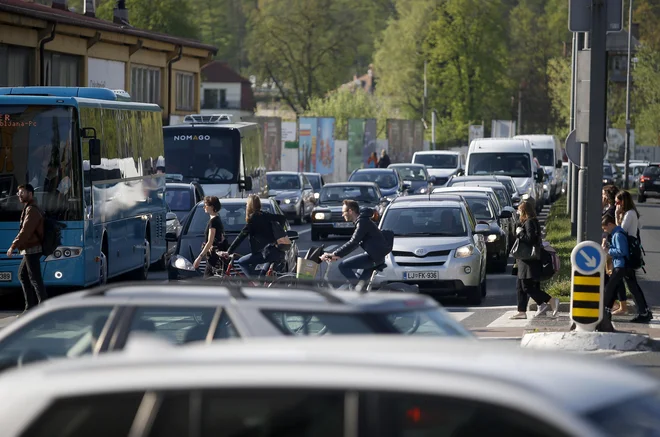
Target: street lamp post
x=626, y=152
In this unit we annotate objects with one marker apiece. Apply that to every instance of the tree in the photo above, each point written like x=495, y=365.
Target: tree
x=647, y=96
x=559, y=91
x=304, y=47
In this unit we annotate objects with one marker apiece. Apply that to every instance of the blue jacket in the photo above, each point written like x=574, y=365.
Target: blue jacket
x=619, y=248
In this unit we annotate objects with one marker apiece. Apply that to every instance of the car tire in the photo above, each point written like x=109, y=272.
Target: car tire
x=315, y=235
x=641, y=198
x=484, y=288
x=474, y=296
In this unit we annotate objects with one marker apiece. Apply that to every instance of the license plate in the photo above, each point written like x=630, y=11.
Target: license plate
x=420, y=275
x=343, y=225
x=5, y=276
x=656, y=183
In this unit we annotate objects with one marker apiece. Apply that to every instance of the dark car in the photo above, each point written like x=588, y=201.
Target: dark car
x=317, y=181
x=293, y=192
x=507, y=181
x=497, y=242
x=649, y=183
x=232, y=215
x=416, y=176
x=387, y=179
x=326, y=217
x=181, y=197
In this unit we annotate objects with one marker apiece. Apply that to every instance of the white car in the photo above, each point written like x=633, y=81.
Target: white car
x=330, y=387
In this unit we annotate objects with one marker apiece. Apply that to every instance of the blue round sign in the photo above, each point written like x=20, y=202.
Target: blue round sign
x=588, y=259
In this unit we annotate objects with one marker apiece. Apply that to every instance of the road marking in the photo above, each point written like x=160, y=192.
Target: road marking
x=504, y=321
x=460, y=316
x=303, y=231
x=628, y=354
x=508, y=308
x=655, y=323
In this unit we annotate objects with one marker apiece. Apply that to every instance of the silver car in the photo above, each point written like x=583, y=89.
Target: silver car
x=293, y=192
x=437, y=246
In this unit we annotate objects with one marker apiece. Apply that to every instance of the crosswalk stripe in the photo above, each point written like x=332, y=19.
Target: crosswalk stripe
x=504, y=321
x=460, y=316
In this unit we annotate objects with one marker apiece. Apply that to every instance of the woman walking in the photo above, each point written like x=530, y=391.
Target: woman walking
x=608, y=195
x=528, y=283
x=215, y=240
x=372, y=162
x=627, y=217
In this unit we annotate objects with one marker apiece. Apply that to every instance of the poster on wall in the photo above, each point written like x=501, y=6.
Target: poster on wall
x=370, y=140
x=394, y=140
x=102, y=73
x=355, y=158
x=271, y=130
x=325, y=152
x=307, y=133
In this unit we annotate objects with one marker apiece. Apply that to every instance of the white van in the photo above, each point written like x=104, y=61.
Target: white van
x=506, y=157
x=441, y=164
x=547, y=149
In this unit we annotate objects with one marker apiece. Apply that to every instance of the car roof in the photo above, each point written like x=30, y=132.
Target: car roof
x=406, y=164
x=427, y=197
x=462, y=188
x=374, y=170
x=437, y=152
x=485, y=184
x=402, y=204
x=350, y=184
x=283, y=172
x=385, y=363
x=181, y=185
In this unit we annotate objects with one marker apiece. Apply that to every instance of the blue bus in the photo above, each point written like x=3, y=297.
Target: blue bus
x=91, y=155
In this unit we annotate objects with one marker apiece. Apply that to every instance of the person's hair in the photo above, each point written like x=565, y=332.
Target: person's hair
x=213, y=201
x=27, y=187
x=627, y=203
x=373, y=154
x=607, y=220
x=611, y=191
x=526, y=211
x=253, y=205
x=352, y=205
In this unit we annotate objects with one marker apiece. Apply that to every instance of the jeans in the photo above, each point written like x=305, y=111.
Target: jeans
x=29, y=274
x=527, y=288
x=249, y=262
x=619, y=275
x=361, y=261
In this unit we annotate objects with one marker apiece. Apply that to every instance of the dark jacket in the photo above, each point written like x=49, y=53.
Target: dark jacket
x=259, y=228
x=531, y=234
x=31, y=228
x=384, y=161
x=368, y=236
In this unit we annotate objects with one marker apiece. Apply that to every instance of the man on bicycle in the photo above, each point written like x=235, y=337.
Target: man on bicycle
x=366, y=235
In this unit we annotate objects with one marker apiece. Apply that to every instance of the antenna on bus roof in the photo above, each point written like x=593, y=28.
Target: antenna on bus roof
x=122, y=95
x=207, y=118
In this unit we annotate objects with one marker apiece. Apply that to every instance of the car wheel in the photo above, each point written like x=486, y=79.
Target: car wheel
x=484, y=289
x=315, y=235
x=641, y=198
x=474, y=296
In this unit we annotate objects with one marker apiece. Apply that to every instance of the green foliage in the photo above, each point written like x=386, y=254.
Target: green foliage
x=647, y=96
x=559, y=81
x=558, y=234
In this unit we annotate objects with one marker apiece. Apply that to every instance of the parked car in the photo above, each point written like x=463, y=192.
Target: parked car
x=387, y=179
x=416, y=176
x=232, y=214
x=649, y=183
x=317, y=181
x=181, y=197
x=293, y=192
x=327, y=218
x=436, y=247
x=103, y=319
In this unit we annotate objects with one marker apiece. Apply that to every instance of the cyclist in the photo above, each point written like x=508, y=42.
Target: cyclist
x=368, y=236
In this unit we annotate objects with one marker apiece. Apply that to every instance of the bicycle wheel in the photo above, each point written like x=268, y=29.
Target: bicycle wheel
x=288, y=280
x=298, y=324
x=406, y=324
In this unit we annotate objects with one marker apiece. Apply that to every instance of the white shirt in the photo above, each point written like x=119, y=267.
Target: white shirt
x=630, y=223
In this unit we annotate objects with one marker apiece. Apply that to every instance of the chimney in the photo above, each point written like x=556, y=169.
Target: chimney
x=90, y=8
x=60, y=4
x=120, y=13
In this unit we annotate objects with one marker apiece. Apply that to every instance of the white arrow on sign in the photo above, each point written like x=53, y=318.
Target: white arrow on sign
x=591, y=261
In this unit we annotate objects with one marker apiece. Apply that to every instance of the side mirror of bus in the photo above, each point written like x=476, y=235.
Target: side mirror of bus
x=247, y=183
x=94, y=151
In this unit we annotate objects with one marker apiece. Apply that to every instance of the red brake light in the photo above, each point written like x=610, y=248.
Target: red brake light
x=414, y=414
x=644, y=178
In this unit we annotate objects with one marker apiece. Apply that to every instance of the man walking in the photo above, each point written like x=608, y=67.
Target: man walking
x=384, y=159
x=28, y=242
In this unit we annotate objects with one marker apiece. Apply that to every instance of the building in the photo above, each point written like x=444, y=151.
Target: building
x=366, y=82
x=225, y=91
x=50, y=45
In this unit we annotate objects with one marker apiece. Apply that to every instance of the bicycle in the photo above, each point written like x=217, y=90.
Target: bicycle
x=224, y=276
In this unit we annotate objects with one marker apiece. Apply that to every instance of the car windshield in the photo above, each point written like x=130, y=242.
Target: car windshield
x=422, y=322
x=382, y=179
x=480, y=208
x=425, y=221
x=637, y=416
x=517, y=165
x=283, y=181
x=232, y=216
x=179, y=199
x=339, y=194
x=315, y=180
x=652, y=170
x=437, y=160
x=411, y=173
x=545, y=157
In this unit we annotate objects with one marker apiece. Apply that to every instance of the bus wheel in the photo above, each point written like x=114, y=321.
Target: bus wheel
x=103, y=269
x=142, y=272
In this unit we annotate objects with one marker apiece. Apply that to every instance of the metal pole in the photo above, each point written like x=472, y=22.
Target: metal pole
x=582, y=193
x=424, y=98
x=519, y=127
x=626, y=152
x=433, y=129
x=572, y=119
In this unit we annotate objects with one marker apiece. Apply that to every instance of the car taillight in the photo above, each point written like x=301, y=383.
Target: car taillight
x=644, y=178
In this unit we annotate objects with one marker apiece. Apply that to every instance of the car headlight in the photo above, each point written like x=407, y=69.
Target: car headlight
x=545, y=186
x=181, y=263
x=317, y=195
x=604, y=181
x=492, y=238
x=525, y=196
x=321, y=216
x=422, y=191
x=464, y=251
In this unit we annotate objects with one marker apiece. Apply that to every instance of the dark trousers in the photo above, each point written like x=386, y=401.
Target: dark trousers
x=620, y=291
x=527, y=288
x=249, y=262
x=619, y=276
x=362, y=261
x=29, y=274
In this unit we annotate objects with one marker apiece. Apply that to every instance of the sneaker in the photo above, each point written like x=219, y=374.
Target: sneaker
x=543, y=308
x=643, y=318
x=519, y=316
x=554, y=304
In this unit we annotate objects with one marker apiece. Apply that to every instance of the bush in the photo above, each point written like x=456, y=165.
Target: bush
x=558, y=234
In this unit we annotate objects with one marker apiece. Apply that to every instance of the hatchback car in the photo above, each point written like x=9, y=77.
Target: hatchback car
x=293, y=192
x=416, y=176
x=317, y=181
x=649, y=183
x=232, y=215
x=387, y=179
x=436, y=247
x=181, y=198
x=327, y=218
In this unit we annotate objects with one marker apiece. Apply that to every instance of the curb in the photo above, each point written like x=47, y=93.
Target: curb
x=565, y=307
x=580, y=341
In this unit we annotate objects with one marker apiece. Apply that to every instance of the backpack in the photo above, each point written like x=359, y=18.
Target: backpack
x=282, y=239
x=52, y=235
x=635, y=259
x=389, y=239
x=549, y=261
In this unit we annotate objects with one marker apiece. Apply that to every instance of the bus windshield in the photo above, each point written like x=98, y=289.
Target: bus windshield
x=37, y=148
x=209, y=155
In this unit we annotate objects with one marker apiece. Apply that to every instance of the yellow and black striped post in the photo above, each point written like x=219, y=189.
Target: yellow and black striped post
x=587, y=285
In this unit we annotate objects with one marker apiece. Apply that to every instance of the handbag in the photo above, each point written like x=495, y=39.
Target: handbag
x=282, y=240
x=525, y=251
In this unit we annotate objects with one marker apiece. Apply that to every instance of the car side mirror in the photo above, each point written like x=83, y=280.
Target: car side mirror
x=432, y=179
x=506, y=214
x=515, y=199
x=460, y=172
x=170, y=216
x=293, y=235
x=247, y=183
x=482, y=229
x=94, y=151
x=539, y=175
x=407, y=185
x=170, y=237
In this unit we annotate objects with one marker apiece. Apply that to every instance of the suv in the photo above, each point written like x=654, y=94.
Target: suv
x=649, y=183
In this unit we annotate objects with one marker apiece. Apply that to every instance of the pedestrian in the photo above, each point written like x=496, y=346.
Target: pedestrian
x=528, y=283
x=264, y=247
x=28, y=242
x=384, y=161
x=627, y=217
x=608, y=199
x=372, y=162
x=214, y=235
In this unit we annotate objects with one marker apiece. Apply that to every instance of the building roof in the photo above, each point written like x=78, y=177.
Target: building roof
x=48, y=13
x=221, y=72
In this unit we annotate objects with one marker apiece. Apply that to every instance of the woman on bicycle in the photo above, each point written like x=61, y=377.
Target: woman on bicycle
x=215, y=240
x=263, y=244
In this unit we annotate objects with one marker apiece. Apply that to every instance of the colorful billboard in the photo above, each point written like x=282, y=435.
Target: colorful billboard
x=271, y=129
x=316, y=149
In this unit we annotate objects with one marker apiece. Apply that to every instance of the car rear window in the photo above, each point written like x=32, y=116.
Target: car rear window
x=652, y=170
x=232, y=216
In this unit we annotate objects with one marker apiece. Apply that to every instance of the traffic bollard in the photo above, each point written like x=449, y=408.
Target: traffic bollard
x=587, y=285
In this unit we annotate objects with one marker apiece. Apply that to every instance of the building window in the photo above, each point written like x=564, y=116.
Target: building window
x=145, y=84
x=15, y=65
x=215, y=99
x=62, y=70
x=185, y=91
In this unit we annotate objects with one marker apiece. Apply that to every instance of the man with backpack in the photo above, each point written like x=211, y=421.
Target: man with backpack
x=28, y=242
